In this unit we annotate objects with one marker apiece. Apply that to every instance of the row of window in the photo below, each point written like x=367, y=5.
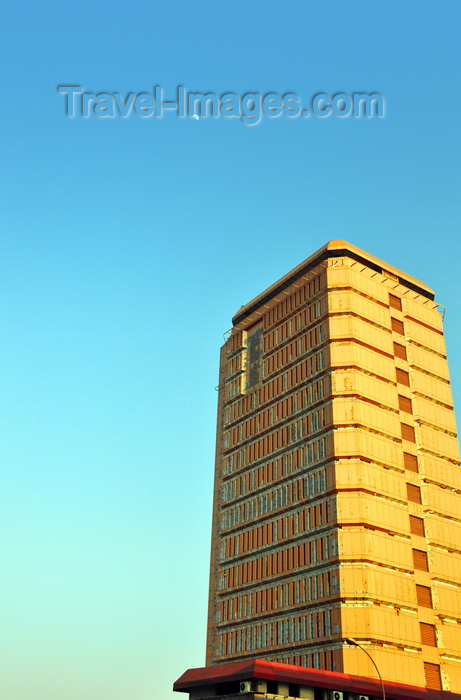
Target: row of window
x=271, y=472
x=307, y=589
x=288, y=305
x=233, y=388
x=308, y=424
x=304, y=319
x=235, y=341
x=297, y=401
x=301, y=628
x=300, y=490
x=291, y=353
x=294, y=403
x=296, y=375
x=315, y=550
x=296, y=324
x=312, y=452
x=329, y=660
x=234, y=365
x=281, y=310
x=278, y=530
x=304, y=426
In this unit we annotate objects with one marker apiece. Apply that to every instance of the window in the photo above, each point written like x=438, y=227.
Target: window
x=408, y=433
x=405, y=404
x=420, y=560
x=400, y=351
x=413, y=493
x=416, y=526
x=397, y=326
x=432, y=673
x=423, y=596
x=410, y=462
x=395, y=302
x=428, y=636
x=402, y=377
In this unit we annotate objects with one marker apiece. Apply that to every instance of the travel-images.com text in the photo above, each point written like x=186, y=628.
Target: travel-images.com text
x=250, y=108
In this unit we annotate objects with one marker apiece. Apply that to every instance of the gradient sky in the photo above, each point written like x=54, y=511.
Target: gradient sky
x=127, y=245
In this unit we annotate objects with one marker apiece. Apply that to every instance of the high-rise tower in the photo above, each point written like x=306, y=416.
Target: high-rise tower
x=337, y=504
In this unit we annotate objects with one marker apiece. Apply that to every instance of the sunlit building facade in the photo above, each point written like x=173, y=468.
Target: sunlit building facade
x=337, y=503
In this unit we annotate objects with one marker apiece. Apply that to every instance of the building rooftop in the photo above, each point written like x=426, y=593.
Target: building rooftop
x=336, y=248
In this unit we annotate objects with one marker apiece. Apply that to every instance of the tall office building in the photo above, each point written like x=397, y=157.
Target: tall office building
x=337, y=504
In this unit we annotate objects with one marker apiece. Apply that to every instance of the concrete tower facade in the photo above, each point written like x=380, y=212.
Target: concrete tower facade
x=337, y=504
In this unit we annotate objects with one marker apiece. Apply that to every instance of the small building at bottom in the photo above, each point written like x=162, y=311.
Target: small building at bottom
x=256, y=679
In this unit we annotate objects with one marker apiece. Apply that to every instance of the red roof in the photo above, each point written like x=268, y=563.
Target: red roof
x=268, y=670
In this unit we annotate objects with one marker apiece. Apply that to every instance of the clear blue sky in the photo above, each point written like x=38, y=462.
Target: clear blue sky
x=127, y=245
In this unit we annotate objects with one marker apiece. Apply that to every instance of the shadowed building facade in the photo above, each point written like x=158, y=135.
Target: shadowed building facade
x=337, y=502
